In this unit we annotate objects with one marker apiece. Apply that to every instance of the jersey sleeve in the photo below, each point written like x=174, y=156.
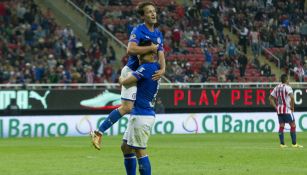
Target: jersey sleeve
x=142, y=72
x=273, y=93
x=160, y=48
x=289, y=90
x=135, y=36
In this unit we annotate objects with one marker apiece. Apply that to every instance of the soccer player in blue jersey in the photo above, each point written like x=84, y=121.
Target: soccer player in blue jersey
x=142, y=33
x=142, y=116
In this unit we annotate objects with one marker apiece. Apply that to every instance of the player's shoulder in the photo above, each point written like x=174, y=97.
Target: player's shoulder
x=157, y=31
x=288, y=87
x=138, y=28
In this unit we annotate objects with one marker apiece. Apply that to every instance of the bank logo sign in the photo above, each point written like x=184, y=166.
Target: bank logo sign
x=80, y=125
x=22, y=98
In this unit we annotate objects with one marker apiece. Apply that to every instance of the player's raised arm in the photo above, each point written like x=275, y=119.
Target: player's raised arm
x=160, y=72
x=127, y=80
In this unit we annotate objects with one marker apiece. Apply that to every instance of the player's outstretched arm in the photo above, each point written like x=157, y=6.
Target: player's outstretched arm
x=127, y=80
x=161, y=72
x=134, y=49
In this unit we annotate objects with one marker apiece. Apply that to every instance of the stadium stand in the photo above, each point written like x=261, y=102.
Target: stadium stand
x=35, y=49
x=282, y=29
x=195, y=43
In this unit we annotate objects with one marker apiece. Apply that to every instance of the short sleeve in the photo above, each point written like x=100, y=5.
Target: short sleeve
x=142, y=72
x=135, y=36
x=289, y=90
x=273, y=93
x=160, y=48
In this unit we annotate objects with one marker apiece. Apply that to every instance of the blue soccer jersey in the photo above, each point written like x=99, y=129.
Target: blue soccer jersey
x=147, y=89
x=141, y=34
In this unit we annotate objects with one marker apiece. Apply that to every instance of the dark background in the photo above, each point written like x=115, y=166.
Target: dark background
x=175, y=101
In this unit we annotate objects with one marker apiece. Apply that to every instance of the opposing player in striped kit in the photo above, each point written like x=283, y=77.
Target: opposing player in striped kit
x=282, y=100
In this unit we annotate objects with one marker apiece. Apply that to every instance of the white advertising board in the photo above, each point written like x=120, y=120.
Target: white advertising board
x=81, y=125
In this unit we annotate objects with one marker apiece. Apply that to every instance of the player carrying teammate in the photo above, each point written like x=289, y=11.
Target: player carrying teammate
x=284, y=105
x=142, y=116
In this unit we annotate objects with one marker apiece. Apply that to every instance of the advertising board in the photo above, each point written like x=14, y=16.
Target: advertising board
x=81, y=125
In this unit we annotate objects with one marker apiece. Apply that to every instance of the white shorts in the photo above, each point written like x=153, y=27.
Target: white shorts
x=128, y=92
x=138, y=131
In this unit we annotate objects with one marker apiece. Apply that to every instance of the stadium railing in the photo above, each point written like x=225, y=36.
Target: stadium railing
x=263, y=48
x=272, y=55
x=162, y=85
x=103, y=29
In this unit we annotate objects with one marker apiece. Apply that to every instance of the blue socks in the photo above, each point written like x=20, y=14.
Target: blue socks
x=281, y=135
x=281, y=138
x=113, y=117
x=130, y=164
x=293, y=135
x=144, y=165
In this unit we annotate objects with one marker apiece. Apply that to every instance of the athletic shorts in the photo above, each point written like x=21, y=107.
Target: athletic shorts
x=138, y=131
x=286, y=118
x=128, y=92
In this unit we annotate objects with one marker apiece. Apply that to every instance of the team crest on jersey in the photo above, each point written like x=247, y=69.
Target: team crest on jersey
x=159, y=40
x=141, y=69
x=132, y=36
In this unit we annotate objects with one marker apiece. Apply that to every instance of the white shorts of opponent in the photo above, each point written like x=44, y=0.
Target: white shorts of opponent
x=128, y=92
x=138, y=131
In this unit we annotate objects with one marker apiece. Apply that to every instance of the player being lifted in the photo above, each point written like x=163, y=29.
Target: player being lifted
x=284, y=105
x=142, y=116
x=142, y=33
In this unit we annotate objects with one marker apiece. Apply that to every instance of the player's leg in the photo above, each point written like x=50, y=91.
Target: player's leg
x=128, y=152
x=292, y=124
x=129, y=159
x=128, y=95
x=113, y=117
x=281, y=130
x=138, y=138
x=143, y=161
x=293, y=132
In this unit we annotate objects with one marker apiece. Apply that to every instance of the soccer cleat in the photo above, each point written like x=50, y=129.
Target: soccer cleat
x=96, y=139
x=105, y=100
x=297, y=146
x=283, y=146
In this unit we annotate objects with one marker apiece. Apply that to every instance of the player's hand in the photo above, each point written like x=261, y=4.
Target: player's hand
x=120, y=80
x=158, y=74
x=154, y=47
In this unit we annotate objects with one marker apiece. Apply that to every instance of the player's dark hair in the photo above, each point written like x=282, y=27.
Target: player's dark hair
x=283, y=78
x=141, y=5
x=145, y=43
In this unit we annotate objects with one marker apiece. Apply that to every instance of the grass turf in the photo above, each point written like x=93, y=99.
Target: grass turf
x=212, y=154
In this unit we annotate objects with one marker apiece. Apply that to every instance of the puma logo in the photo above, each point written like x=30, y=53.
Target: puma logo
x=42, y=99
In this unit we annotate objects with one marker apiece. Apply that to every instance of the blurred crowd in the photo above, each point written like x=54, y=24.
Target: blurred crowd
x=34, y=49
x=275, y=27
x=196, y=47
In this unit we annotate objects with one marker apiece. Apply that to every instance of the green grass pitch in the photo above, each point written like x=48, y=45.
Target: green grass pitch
x=203, y=154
